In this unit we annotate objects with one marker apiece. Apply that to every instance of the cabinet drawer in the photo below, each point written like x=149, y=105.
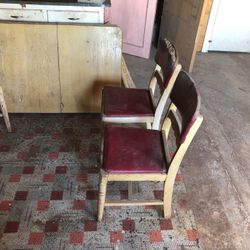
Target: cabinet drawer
x=23, y=15
x=77, y=16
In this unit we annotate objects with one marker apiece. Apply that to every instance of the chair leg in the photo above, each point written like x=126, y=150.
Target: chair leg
x=130, y=190
x=149, y=125
x=102, y=146
x=4, y=111
x=102, y=195
x=167, y=199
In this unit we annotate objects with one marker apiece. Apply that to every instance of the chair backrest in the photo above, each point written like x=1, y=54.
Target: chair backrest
x=167, y=58
x=185, y=97
x=183, y=116
x=164, y=75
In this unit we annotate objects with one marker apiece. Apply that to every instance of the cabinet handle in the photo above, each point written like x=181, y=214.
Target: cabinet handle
x=73, y=18
x=16, y=17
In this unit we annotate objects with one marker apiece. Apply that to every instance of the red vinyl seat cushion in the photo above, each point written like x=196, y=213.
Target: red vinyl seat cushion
x=133, y=150
x=126, y=102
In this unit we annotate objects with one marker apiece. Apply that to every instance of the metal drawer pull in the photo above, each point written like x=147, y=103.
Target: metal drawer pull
x=16, y=17
x=73, y=18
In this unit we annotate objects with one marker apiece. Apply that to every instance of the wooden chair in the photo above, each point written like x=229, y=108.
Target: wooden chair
x=3, y=111
x=132, y=105
x=137, y=154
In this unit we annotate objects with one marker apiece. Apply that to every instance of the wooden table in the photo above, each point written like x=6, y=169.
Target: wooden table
x=58, y=67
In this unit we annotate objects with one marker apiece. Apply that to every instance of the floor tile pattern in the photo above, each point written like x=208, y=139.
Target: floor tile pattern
x=49, y=171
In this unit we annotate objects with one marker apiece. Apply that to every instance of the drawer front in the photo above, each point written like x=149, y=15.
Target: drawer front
x=23, y=15
x=76, y=16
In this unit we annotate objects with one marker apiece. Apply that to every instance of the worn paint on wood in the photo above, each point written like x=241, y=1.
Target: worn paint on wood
x=58, y=68
x=90, y=57
x=29, y=67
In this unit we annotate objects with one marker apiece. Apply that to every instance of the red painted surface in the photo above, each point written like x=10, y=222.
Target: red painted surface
x=42, y=205
x=192, y=235
x=133, y=150
x=6, y=205
x=56, y=195
x=15, y=178
x=128, y=225
x=76, y=237
x=79, y=204
x=166, y=224
x=36, y=238
x=116, y=237
x=127, y=102
x=136, y=19
x=155, y=236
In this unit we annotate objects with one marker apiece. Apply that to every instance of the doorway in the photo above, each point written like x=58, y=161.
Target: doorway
x=229, y=27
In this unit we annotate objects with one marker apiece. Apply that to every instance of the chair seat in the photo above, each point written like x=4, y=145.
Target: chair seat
x=124, y=102
x=133, y=150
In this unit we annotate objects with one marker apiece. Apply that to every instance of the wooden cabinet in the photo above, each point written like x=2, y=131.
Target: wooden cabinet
x=58, y=67
x=78, y=13
x=93, y=16
x=23, y=15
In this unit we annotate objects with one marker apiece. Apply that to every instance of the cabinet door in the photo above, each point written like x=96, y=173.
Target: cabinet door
x=136, y=19
x=90, y=57
x=29, y=71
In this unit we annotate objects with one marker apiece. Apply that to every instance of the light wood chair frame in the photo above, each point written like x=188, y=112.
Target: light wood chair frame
x=127, y=80
x=154, y=121
x=168, y=178
x=3, y=111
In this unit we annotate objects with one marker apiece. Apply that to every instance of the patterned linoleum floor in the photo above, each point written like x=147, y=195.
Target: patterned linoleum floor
x=49, y=171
